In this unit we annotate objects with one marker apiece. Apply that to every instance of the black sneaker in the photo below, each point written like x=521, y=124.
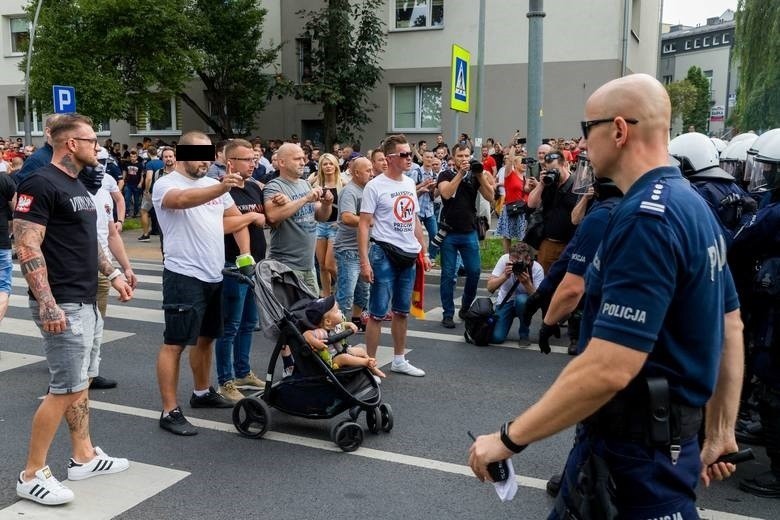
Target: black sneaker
x=447, y=322
x=176, y=423
x=210, y=400
x=462, y=314
x=144, y=238
x=554, y=485
x=101, y=383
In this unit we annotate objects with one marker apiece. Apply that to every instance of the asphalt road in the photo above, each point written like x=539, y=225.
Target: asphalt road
x=416, y=471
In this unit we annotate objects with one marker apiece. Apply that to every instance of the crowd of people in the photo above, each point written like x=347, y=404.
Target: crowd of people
x=591, y=230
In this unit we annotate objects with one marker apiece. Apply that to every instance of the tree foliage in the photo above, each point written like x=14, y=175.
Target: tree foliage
x=125, y=56
x=682, y=95
x=698, y=112
x=758, y=102
x=346, y=38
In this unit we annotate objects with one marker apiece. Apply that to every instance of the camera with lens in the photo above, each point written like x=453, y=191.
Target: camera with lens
x=530, y=161
x=551, y=177
x=444, y=229
x=520, y=267
x=475, y=167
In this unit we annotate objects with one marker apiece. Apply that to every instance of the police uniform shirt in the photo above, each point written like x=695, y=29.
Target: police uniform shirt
x=659, y=284
x=588, y=236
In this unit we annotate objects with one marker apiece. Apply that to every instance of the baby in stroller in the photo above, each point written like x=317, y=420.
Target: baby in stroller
x=324, y=317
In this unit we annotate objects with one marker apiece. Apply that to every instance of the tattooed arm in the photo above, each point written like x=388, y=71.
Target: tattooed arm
x=29, y=237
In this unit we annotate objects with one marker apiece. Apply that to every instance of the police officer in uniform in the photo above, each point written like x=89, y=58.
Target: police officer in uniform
x=756, y=253
x=639, y=386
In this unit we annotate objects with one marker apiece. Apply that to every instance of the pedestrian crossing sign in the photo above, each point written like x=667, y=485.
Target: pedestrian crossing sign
x=460, y=79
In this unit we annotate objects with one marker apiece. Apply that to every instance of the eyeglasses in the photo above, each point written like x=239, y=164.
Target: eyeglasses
x=250, y=159
x=93, y=141
x=586, y=125
x=402, y=155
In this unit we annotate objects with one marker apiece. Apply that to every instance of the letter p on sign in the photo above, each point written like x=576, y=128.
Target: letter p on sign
x=64, y=99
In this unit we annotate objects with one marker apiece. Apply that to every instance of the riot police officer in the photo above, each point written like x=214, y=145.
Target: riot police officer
x=756, y=250
x=661, y=250
x=700, y=164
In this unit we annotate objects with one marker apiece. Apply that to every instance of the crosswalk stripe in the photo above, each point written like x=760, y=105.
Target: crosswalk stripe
x=138, y=294
x=11, y=360
x=126, y=489
x=145, y=278
x=19, y=327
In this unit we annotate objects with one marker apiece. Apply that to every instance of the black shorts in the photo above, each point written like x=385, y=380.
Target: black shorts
x=192, y=308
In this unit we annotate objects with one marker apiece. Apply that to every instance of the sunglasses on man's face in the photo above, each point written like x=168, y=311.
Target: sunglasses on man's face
x=402, y=155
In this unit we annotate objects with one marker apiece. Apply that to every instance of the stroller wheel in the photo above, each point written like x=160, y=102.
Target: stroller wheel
x=387, y=417
x=348, y=436
x=354, y=412
x=373, y=419
x=252, y=417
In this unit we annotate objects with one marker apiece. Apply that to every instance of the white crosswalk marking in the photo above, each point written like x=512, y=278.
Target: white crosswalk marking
x=138, y=294
x=27, y=328
x=11, y=360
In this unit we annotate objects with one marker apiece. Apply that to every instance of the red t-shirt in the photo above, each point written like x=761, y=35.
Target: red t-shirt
x=513, y=188
x=489, y=164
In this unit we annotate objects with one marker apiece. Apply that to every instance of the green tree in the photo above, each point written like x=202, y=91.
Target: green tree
x=698, y=112
x=125, y=56
x=346, y=38
x=682, y=95
x=758, y=103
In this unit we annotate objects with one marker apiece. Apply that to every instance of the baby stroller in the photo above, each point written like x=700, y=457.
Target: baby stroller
x=314, y=390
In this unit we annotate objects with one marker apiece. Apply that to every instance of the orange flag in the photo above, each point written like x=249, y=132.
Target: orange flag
x=418, y=291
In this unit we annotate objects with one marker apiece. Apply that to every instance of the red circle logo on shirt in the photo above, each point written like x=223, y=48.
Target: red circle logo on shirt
x=404, y=208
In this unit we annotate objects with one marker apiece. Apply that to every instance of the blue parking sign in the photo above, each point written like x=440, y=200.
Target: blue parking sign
x=64, y=99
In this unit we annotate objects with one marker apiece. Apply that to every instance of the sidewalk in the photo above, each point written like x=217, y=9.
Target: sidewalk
x=141, y=251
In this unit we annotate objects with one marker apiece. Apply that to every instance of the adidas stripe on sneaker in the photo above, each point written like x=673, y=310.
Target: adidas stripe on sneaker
x=44, y=488
x=102, y=464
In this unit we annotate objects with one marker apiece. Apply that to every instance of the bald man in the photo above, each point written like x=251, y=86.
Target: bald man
x=662, y=326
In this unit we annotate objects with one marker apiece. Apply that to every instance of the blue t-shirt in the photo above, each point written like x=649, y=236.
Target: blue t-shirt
x=659, y=284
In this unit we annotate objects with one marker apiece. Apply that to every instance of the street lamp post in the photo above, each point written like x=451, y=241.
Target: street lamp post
x=27, y=121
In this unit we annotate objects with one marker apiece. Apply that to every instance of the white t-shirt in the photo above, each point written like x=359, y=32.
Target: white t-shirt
x=104, y=207
x=394, y=205
x=500, y=181
x=194, y=242
x=109, y=183
x=536, y=271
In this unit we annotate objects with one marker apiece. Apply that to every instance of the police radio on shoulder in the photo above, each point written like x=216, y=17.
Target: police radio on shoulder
x=510, y=445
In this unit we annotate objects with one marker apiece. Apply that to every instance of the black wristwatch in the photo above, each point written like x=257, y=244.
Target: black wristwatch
x=510, y=445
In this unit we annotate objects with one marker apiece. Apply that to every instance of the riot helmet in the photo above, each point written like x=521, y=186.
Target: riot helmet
x=754, y=171
x=698, y=156
x=767, y=163
x=583, y=174
x=732, y=159
x=720, y=144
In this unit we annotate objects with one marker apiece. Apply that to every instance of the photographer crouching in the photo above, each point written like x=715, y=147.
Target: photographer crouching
x=458, y=228
x=516, y=274
x=557, y=200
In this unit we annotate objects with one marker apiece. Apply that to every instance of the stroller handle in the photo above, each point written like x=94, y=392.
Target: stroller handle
x=335, y=338
x=240, y=274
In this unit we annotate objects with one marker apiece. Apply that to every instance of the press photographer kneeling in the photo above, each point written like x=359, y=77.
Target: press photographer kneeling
x=519, y=273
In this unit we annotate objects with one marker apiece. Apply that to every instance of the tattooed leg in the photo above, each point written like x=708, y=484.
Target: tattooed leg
x=77, y=417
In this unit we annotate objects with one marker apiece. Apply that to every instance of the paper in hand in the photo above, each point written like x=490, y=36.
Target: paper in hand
x=506, y=490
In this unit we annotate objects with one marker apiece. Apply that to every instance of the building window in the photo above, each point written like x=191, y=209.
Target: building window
x=706, y=42
x=419, y=14
x=417, y=107
x=669, y=47
x=687, y=44
x=36, y=121
x=716, y=40
x=708, y=75
x=696, y=43
x=726, y=38
x=667, y=79
x=303, y=51
x=636, y=12
x=20, y=34
x=161, y=117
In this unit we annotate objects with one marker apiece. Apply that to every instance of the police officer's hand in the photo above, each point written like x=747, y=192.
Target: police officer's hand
x=714, y=447
x=532, y=304
x=545, y=333
x=484, y=450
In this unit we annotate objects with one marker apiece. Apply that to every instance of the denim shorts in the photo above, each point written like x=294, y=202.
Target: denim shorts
x=392, y=286
x=193, y=308
x=6, y=269
x=327, y=230
x=73, y=356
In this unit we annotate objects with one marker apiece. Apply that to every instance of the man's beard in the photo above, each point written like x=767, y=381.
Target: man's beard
x=195, y=170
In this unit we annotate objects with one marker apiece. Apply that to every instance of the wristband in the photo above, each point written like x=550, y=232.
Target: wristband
x=245, y=260
x=510, y=445
x=121, y=221
x=114, y=275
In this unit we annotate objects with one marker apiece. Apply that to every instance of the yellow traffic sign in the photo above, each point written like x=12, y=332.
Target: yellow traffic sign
x=459, y=100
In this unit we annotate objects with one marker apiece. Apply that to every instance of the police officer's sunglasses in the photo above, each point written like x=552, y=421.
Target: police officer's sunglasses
x=586, y=125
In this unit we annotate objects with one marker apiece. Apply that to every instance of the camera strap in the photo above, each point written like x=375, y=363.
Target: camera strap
x=510, y=292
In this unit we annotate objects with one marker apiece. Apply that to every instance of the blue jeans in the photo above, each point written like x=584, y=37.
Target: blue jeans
x=432, y=227
x=467, y=245
x=506, y=315
x=391, y=285
x=133, y=196
x=240, y=317
x=349, y=287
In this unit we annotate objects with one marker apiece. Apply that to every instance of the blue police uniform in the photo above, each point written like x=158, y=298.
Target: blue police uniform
x=728, y=201
x=659, y=273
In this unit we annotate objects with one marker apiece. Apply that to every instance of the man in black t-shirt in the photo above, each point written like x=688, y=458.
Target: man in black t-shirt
x=458, y=219
x=7, y=192
x=239, y=311
x=61, y=272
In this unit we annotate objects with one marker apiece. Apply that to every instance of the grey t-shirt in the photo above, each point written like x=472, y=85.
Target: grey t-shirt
x=349, y=201
x=292, y=241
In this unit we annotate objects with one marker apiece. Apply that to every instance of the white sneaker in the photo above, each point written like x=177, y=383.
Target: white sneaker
x=44, y=489
x=406, y=368
x=102, y=464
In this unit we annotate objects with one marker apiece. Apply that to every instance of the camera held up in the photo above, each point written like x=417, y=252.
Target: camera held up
x=551, y=177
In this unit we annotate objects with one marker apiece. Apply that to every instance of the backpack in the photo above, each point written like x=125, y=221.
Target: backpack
x=480, y=320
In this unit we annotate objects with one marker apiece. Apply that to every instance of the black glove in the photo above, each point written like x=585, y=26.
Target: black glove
x=532, y=304
x=545, y=333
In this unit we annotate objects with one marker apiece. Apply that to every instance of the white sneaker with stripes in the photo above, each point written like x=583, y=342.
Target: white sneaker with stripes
x=102, y=464
x=44, y=488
